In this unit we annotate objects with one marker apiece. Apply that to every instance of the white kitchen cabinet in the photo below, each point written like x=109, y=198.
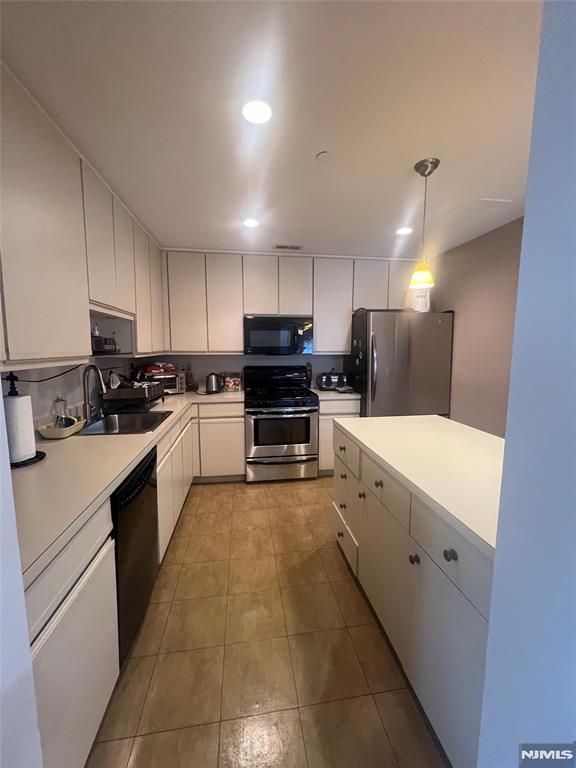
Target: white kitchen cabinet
x=99, y=223
x=295, y=278
x=165, y=491
x=260, y=284
x=177, y=452
x=333, y=280
x=398, y=291
x=143, y=295
x=187, y=459
x=44, y=274
x=124, y=252
x=326, y=431
x=225, y=302
x=157, y=306
x=75, y=663
x=195, y=425
x=187, y=290
x=222, y=449
x=371, y=284
x=166, y=345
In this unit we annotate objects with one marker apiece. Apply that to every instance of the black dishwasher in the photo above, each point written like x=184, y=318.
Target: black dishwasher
x=135, y=523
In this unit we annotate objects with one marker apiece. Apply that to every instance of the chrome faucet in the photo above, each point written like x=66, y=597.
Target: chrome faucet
x=92, y=411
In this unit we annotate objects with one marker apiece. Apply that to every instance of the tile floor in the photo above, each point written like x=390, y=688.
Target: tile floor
x=259, y=650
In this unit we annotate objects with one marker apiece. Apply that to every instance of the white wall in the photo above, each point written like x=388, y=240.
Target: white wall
x=530, y=688
x=19, y=736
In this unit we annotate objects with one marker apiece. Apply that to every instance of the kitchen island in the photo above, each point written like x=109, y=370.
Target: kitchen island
x=416, y=513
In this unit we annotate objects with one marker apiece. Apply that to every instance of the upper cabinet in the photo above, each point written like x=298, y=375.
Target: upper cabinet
x=333, y=286
x=187, y=292
x=295, y=285
x=370, y=284
x=224, y=302
x=43, y=248
x=99, y=223
x=124, y=251
x=398, y=292
x=157, y=304
x=260, y=284
x=143, y=298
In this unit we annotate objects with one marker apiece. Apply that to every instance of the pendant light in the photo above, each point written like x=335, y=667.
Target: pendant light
x=422, y=277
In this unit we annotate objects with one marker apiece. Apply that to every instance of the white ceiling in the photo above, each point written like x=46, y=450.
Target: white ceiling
x=151, y=93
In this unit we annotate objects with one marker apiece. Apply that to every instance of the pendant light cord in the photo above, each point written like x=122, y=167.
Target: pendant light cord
x=424, y=217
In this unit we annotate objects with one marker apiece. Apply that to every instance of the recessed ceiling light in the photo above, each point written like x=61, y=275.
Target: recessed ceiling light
x=404, y=231
x=257, y=112
x=251, y=223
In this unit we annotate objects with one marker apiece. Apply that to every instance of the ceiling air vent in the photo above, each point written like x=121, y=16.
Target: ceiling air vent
x=287, y=247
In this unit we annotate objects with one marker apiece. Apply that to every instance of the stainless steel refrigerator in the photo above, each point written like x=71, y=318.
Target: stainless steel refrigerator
x=401, y=361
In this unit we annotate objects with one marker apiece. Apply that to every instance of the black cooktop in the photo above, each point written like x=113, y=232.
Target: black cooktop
x=278, y=386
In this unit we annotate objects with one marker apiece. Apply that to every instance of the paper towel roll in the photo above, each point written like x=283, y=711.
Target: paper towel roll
x=20, y=428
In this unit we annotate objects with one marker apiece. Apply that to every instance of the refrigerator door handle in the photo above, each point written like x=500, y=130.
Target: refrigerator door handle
x=373, y=366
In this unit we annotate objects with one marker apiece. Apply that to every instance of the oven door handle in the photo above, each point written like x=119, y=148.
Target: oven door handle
x=269, y=414
x=295, y=460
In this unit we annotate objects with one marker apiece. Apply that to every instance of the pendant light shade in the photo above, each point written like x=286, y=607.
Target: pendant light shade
x=422, y=276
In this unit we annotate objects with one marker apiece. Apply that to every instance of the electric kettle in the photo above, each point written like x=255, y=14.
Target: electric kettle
x=214, y=383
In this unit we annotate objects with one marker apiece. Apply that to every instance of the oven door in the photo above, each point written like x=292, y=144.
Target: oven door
x=281, y=432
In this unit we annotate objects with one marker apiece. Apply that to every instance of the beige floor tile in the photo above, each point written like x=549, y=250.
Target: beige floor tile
x=110, y=754
x=208, y=546
x=282, y=488
x=185, y=690
x=285, y=500
x=244, y=516
x=125, y=706
x=248, y=489
x=310, y=608
x=307, y=485
x=165, y=585
x=185, y=524
x=255, y=542
x=412, y=741
x=346, y=733
x=195, y=624
x=212, y=522
x=289, y=514
x=335, y=564
x=202, y=580
x=263, y=741
x=150, y=635
x=195, y=747
x=215, y=504
x=254, y=616
x=298, y=568
x=176, y=551
x=324, y=536
x=252, y=574
x=292, y=538
x=352, y=603
x=327, y=482
x=379, y=665
x=326, y=667
x=318, y=514
x=314, y=495
x=257, y=678
x=214, y=490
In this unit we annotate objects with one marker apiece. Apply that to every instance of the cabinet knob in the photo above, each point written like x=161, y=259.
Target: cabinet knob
x=378, y=483
x=341, y=448
x=343, y=476
x=361, y=495
x=414, y=559
x=340, y=534
x=450, y=555
x=342, y=506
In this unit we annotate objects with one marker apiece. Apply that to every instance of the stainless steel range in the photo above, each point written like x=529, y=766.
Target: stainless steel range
x=281, y=423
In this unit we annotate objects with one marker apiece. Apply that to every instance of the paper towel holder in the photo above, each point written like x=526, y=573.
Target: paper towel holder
x=13, y=392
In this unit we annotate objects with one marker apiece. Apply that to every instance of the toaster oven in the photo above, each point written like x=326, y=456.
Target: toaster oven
x=174, y=381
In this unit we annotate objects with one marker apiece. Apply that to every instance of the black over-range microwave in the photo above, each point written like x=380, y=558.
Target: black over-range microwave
x=277, y=335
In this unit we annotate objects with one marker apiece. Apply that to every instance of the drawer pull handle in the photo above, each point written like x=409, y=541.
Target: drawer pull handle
x=378, y=483
x=450, y=555
x=340, y=534
x=343, y=476
x=341, y=448
x=414, y=559
x=361, y=495
x=342, y=506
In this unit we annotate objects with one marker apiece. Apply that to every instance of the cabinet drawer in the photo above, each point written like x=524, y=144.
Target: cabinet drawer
x=389, y=491
x=347, y=542
x=346, y=450
x=220, y=410
x=471, y=571
x=340, y=407
x=340, y=477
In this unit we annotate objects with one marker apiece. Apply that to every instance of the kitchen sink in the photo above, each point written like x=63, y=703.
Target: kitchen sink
x=126, y=423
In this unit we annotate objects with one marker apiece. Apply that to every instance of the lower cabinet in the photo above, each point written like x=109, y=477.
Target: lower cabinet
x=222, y=447
x=326, y=429
x=165, y=490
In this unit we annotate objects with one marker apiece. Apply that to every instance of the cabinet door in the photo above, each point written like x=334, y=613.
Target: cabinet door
x=166, y=344
x=371, y=284
x=260, y=284
x=187, y=288
x=165, y=490
x=295, y=285
x=124, y=250
x=178, y=478
x=398, y=291
x=187, y=459
x=75, y=662
x=157, y=308
x=325, y=447
x=225, y=302
x=42, y=227
x=222, y=449
x=195, y=449
x=99, y=223
x=143, y=303
x=333, y=280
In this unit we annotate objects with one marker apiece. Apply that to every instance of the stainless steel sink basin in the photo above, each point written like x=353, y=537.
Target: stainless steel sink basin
x=126, y=423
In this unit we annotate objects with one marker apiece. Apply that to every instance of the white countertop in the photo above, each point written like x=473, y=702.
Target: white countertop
x=201, y=398
x=455, y=469
x=326, y=394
